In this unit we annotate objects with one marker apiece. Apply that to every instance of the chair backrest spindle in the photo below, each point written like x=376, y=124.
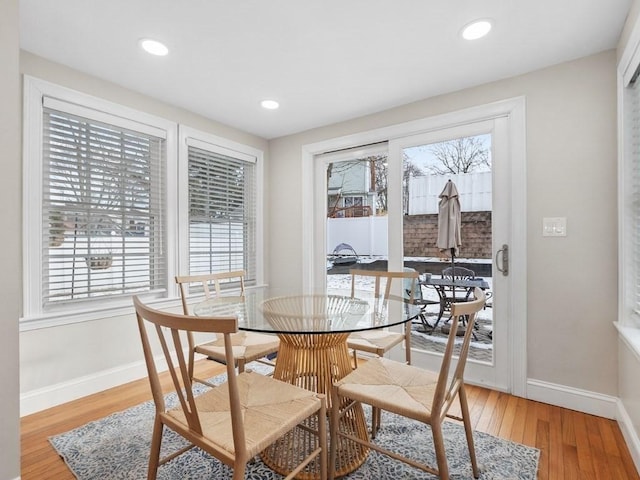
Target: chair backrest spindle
x=170, y=329
x=446, y=389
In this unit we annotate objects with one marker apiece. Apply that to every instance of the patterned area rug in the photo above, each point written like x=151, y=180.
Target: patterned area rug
x=117, y=447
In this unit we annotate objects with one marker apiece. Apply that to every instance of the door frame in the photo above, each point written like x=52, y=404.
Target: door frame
x=314, y=210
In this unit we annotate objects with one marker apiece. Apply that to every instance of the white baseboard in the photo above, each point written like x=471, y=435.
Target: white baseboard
x=573, y=398
x=52, y=395
x=629, y=433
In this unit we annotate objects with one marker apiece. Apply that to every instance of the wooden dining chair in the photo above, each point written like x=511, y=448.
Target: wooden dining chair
x=412, y=392
x=247, y=346
x=379, y=342
x=234, y=421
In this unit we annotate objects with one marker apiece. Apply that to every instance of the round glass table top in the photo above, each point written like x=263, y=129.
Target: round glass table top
x=272, y=311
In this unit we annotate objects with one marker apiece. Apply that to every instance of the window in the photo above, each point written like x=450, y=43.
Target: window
x=221, y=205
x=630, y=198
x=110, y=212
x=95, y=204
x=102, y=210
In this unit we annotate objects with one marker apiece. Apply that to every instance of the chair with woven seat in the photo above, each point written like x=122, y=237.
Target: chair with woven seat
x=379, y=342
x=235, y=420
x=247, y=346
x=412, y=392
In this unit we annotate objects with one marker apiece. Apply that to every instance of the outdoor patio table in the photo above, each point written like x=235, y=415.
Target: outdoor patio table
x=442, y=284
x=313, y=331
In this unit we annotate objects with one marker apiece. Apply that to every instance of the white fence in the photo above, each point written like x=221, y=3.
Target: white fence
x=368, y=235
x=474, y=190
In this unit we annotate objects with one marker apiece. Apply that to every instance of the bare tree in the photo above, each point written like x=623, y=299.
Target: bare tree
x=379, y=180
x=462, y=155
x=409, y=170
x=378, y=176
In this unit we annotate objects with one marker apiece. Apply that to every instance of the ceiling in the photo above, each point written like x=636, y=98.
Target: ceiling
x=324, y=61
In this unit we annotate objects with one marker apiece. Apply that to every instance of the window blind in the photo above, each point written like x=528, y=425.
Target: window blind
x=633, y=132
x=103, y=218
x=222, y=212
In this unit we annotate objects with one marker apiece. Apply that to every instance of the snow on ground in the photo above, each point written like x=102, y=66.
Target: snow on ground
x=342, y=283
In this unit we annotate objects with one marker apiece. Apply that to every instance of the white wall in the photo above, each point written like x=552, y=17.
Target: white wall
x=571, y=171
x=11, y=238
x=60, y=363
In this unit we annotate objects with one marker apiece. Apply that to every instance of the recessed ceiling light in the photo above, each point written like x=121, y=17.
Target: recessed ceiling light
x=154, y=47
x=476, y=29
x=270, y=104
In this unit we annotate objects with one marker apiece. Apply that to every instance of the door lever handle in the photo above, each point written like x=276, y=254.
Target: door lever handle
x=504, y=253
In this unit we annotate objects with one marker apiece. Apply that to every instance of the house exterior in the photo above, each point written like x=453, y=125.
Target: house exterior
x=350, y=189
x=576, y=357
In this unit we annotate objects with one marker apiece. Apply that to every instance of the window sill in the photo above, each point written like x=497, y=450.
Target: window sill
x=58, y=319
x=631, y=337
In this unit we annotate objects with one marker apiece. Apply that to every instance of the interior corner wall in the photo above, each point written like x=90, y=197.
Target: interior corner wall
x=60, y=363
x=628, y=357
x=10, y=252
x=571, y=172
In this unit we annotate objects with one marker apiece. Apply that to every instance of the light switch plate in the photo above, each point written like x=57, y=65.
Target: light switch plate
x=554, y=227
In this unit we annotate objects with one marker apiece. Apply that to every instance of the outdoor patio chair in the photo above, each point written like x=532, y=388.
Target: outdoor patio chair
x=419, y=299
x=459, y=294
x=237, y=419
x=247, y=346
x=422, y=395
x=451, y=293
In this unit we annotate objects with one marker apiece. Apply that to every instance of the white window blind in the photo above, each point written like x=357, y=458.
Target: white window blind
x=102, y=213
x=222, y=211
x=633, y=141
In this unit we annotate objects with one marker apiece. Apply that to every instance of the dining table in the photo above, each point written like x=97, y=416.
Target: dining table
x=313, y=329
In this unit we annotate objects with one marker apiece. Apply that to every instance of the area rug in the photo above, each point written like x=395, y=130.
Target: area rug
x=117, y=447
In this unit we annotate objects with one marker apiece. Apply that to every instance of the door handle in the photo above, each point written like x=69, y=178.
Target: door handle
x=504, y=253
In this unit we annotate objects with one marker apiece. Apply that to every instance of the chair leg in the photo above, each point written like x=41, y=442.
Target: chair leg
x=376, y=416
x=322, y=432
x=466, y=419
x=154, y=455
x=238, y=470
x=240, y=362
x=334, y=429
x=441, y=456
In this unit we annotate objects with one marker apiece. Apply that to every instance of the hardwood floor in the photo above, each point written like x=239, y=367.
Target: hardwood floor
x=573, y=445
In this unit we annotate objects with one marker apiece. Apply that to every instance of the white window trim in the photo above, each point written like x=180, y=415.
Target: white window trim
x=34, y=91
x=628, y=323
x=191, y=136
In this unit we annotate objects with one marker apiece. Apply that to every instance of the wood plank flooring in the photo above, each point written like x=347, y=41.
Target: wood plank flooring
x=573, y=445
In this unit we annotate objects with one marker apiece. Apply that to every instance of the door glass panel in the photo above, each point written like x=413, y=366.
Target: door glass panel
x=356, y=218
x=426, y=169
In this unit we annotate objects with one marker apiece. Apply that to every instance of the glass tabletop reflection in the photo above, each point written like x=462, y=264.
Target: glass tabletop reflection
x=274, y=311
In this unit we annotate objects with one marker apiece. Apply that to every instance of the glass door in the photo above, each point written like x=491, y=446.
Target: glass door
x=356, y=223
x=423, y=164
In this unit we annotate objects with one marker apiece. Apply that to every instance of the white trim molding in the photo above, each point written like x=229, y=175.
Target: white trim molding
x=52, y=395
x=629, y=433
x=584, y=401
